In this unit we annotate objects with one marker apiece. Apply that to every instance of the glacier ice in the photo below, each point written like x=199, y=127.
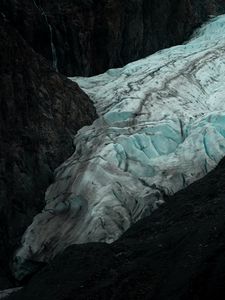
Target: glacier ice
x=161, y=126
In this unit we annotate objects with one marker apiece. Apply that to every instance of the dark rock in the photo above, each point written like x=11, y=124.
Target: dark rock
x=177, y=253
x=92, y=36
x=40, y=111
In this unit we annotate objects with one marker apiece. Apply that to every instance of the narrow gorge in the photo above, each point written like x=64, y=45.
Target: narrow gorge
x=112, y=149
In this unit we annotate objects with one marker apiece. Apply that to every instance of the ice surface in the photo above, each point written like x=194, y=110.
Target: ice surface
x=161, y=126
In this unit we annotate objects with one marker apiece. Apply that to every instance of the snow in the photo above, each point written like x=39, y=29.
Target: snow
x=161, y=126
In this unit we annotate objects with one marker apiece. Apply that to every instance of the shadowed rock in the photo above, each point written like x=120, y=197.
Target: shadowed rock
x=92, y=36
x=40, y=111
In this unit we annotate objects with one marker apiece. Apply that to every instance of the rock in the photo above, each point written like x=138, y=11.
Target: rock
x=92, y=36
x=177, y=253
x=40, y=111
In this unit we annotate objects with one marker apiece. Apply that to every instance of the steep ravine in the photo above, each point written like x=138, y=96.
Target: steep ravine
x=160, y=127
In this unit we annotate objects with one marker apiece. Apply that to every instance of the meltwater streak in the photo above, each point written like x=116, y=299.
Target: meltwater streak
x=54, y=54
x=161, y=126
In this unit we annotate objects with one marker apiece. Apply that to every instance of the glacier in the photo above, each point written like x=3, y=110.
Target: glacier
x=161, y=126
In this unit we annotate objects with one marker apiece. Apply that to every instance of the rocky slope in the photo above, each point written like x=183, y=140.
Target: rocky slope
x=161, y=127
x=90, y=36
x=177, y=253
x=40, y=111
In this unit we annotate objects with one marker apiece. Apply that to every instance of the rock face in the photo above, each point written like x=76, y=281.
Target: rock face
x=177, y=253
x=40, y=111
x=86, y=37
x=161, y=126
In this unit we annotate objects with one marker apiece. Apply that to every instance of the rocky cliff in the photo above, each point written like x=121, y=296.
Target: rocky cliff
x=40, y=111
x=91, y=36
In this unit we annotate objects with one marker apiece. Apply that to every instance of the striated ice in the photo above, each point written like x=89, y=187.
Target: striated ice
x=161, y=126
